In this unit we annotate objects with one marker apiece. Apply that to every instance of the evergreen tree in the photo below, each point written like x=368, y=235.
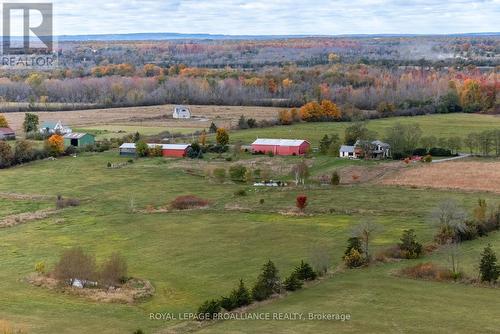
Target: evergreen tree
x=305, y=272
x=213, y=128
x=292, y=282
x=324, y=144
x=30, y=123
x=267, y=283
x=241, y=296
x=242, y=122
x=353, y=243
x=335, y=181
x=410, y=248
x=488, y=266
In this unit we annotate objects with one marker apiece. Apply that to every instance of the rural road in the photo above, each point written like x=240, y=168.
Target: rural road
x=460, y=156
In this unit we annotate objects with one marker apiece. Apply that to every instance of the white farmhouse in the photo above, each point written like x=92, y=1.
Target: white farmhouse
x=347, y=151
x=181, y=112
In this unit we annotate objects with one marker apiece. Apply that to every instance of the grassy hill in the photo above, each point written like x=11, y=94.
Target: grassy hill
x=441, y=125
x=195, y=255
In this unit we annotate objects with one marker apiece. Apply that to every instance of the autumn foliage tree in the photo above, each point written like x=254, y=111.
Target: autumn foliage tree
x=301, y=202
x=55, y=144
x=3, y=122
x=316, y=112
x=222, y=137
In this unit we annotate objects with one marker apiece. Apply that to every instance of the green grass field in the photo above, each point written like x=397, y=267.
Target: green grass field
x=120, y=130
x=442, y=125
x=195, y=255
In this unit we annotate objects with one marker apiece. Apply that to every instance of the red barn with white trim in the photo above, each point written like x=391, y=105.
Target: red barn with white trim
x=281, y=146
x=175, y=150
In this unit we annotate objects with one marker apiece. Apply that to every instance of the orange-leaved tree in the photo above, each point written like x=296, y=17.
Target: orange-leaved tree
x=330, y=109
x=55, y=144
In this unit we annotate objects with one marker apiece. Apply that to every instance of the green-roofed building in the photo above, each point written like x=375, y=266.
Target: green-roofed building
x=78, y=139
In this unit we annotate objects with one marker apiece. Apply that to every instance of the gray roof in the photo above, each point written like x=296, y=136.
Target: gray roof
x=347, y=148
x=76, y=135
x=381, y=143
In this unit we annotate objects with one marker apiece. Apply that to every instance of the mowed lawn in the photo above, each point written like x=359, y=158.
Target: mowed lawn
x=441, y=125
x=192, y=256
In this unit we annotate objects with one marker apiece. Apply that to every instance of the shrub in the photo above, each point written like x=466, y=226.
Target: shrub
x=237, y=173
x=155, y=151
x=219, y=174
x=488, y=268
x=113, y=271
x=428, y=271
x=23, y=152
x=195, y=151
x=222, y=137
x=40, y=267
x=410, y=248
x=208, y=310
x=262, y=201
x=353, y=243
x=305, y=272
x=141, y=148
x=420, y=152
x=440, y=152
x=354, y=259
x=62, y=203
x=70, y=150
x=301, y=202
x=188, y=202
x=267, y=283
x=427, y=158
x=6, y=155
x=240, y=192
x=335, y=180
x=292, y=282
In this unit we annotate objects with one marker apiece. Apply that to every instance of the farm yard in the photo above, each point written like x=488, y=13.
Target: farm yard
x=198, y=254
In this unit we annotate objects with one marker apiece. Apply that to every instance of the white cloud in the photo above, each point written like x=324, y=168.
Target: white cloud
x=264, y=17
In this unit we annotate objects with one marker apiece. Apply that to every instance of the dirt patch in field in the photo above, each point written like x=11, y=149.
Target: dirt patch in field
x=362, y=174
x=21, y=197
x=133, y=291
x=25, y=217
x=466, y=175
x=223, y=116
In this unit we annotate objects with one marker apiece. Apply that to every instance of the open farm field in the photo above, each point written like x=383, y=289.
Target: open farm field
x=200, y=254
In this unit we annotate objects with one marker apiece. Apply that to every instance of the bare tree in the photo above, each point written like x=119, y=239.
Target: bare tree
x=75, y=264
x=452, y=251
x=113, y=271
x=450, y=219
x=321, y=259
x=301, y=172
x=366, y=231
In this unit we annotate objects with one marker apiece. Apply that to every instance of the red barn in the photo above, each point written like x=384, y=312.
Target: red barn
x=281, y=146
x=175, y=150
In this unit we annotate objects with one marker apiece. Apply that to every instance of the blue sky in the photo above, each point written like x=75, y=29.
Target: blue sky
x=276, y=16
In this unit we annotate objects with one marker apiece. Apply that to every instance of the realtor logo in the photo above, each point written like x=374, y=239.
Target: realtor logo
x=28, y=31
